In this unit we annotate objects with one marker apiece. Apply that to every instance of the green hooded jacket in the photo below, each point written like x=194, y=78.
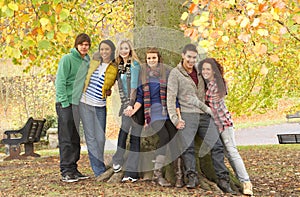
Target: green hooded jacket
x=70, y=77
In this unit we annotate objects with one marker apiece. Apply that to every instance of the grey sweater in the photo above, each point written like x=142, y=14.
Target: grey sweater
x=190, y=97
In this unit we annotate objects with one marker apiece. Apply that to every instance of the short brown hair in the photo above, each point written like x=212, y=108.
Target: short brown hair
x=81, y=38
x=189, y=47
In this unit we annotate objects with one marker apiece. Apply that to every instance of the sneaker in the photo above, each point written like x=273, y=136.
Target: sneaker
x=129, y=179
x=117, y=168
x=247, y=188
x=80, y=176
x=69, y=178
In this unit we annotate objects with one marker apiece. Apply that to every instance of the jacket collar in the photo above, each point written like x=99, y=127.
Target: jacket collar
x=183, y=71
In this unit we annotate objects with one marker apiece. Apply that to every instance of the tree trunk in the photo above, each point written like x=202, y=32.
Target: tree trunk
x=157, y=25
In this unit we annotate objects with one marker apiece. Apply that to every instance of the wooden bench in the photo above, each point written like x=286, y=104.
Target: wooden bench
x=288, y=138
x=292, y=116
x=30, y=134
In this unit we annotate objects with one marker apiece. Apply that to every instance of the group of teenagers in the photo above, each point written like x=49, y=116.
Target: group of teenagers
x=176, y=103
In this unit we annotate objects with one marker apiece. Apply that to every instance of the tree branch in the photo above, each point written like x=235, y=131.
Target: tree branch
x=293, y=35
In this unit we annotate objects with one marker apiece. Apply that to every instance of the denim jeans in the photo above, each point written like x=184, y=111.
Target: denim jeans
x=233, y=154
x=166, y=132
x=68, y=138
x=132, y=161
x=206, y=129
x=94, y=124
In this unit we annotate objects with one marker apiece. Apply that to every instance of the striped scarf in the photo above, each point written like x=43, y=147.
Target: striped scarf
x=158, y=72
x=124, y=69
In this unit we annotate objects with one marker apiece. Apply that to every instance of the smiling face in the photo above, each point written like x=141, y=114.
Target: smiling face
x=152, y=59
x=189, y=60
x=105, y=52
x=83, y=48
x=124, y=50
x=207, y=72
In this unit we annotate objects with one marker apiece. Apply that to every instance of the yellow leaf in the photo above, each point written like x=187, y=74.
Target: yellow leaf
x=274, y=14
x=255, y=22
x=204, y=44
x=44, y=21
x=58, y=9
x=4, y=8
x=225, y=38
x=244, y=22
x=260, y=49
x=184, y=16
x=202, y=19
x=275, y=39
x=231, y=2
x=231, y=22
x=25, y=18
x=250, y=6
x=263, y=32
x=13, y=6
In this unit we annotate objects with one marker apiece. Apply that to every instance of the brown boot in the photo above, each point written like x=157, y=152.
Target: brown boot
x=179, y=172
x=157, y=173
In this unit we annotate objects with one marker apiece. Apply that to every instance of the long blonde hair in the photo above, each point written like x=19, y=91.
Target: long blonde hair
x=132, y=55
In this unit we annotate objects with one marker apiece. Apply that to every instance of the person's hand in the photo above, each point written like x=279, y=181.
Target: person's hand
x=108, y=92
x=180, y=124
x=208, y=111
x=128, y=111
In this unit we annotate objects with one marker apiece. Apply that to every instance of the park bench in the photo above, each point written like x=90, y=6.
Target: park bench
x=288, y=138
x=292, y=116
x=27, y=135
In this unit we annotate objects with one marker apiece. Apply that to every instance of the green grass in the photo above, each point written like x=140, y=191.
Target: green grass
x=261, y=123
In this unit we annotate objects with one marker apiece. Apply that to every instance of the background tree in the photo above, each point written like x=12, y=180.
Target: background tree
x=35, y=34
x=41, y=31
x=256, y=41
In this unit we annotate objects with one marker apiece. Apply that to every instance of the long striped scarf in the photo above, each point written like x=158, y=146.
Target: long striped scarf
x=158, y=72
x=124, y=69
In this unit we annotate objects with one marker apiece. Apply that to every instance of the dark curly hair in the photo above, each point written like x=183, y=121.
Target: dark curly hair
x=218, y=74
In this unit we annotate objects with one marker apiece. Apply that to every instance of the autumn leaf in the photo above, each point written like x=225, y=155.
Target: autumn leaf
x=184, y=16
x=260, y=49
x=296, y=18
x=193, y=8
x=274, y=58
x=244, y=37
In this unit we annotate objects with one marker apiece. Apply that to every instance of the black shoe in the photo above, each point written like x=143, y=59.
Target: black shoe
x=224, y=185
x=192, y=181
x=69, y=178
x=80, y=176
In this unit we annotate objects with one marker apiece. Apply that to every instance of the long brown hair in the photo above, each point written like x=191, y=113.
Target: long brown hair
x=218, y=74
x=144, y=68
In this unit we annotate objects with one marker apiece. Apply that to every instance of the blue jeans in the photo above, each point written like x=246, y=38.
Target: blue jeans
x=94, y=124
x=203, y=125
x=131, y=166
x=233, y=154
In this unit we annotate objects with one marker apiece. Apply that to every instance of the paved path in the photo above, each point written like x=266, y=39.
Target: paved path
x=249, y=136
x=265, y=135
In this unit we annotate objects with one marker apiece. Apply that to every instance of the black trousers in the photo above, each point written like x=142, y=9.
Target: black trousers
x=68, y=138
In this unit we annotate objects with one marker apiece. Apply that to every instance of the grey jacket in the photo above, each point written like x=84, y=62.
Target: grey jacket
x=190, y=97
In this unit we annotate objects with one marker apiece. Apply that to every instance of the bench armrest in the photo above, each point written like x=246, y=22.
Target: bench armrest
x=9, y=132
